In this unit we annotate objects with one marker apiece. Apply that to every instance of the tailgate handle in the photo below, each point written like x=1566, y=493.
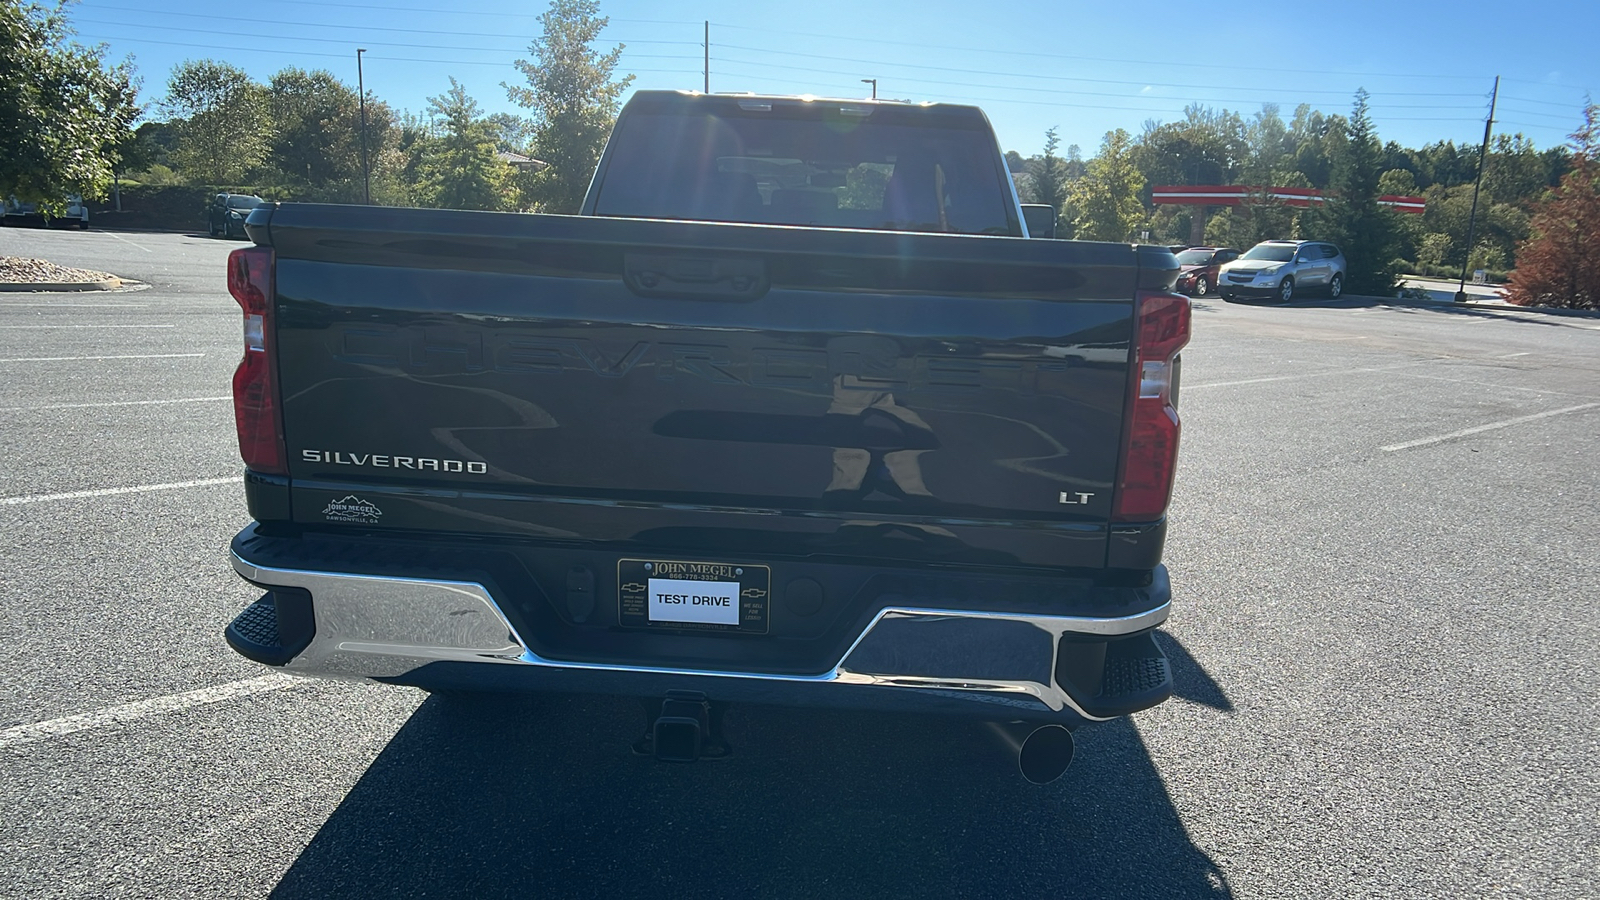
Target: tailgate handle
x=695, y=277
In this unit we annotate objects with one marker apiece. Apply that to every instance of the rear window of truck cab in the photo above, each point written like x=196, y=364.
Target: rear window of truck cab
x=789, y=164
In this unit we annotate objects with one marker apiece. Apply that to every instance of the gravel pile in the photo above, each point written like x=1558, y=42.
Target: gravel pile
x=20, y=269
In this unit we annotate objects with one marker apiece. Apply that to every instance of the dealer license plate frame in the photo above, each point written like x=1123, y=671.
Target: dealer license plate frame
x=755, y=593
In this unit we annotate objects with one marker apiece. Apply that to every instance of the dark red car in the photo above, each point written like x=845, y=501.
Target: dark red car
x=1197, y=268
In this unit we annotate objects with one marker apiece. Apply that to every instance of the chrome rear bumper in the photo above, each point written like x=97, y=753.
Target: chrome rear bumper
x=387, y=628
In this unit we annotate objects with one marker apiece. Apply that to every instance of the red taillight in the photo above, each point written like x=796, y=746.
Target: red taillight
x=255, y=383
x=1150, y=448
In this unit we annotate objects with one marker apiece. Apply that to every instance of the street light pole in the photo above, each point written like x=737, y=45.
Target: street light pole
x=874, y=83
x=361, y=89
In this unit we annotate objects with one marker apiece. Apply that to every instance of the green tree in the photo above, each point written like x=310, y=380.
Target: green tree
x=1268, y=155
x=1409, y=231
x=414, y=134
x=574, y=101
x=1106, y=198
x=459, y=169
x=1351, y=216
x=223, y=121
x=316, y=133
x=1516, y=172
x=64, y=110
x=1318, y=142
x=512, y=133
x=1206, y=146
x=1258, y=217
x=1432, y=249
x=1049, y=174
x=1557, y=265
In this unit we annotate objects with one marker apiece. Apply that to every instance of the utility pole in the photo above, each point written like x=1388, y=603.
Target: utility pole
x=361, y=89
x=707, y=45
x=874, y=83
x=1472, y=218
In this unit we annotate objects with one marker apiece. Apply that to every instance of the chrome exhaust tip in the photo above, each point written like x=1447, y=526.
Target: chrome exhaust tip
x=1043, y=752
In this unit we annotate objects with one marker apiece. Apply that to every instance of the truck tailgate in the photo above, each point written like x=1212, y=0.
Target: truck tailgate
x=674, y=384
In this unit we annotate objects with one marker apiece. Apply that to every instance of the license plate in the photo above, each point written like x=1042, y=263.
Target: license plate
x=667, y=593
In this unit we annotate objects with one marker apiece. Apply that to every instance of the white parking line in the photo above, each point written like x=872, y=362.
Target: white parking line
x=37, y=327
x=1515, y=355
x=22, y=359
x=9, y=305
x=1492, y=426
x=110, y=492
x=124, y=240
x=1491, y=384
x=43, y=406
x=140, y=709
x=1212, y=384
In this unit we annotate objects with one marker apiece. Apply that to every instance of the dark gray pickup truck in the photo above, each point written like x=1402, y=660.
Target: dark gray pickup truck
x=794, y=413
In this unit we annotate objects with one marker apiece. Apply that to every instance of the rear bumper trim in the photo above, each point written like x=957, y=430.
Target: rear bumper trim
x=383, y=627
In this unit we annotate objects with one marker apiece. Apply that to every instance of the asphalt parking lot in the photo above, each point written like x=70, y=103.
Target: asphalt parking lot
x=1385, y=633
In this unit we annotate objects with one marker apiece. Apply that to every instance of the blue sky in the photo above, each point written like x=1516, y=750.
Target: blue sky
x=1083, y=67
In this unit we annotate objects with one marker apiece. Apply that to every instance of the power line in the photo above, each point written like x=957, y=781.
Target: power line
x=322, y=4
x=1060, y=104
x=362, y=27
x=280, y=53
x=343, y=41
x=1071, y=92
x=734, y=60
x=1134, y=62
x=872, y=62
x=764, y=65
x=1570, y=116
x=1545, y=102
x=870, y=41
x=1561, y=128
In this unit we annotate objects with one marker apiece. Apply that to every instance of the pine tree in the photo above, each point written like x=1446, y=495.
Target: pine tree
x=1351, y=216
x=1559, y=265
x=1050, y=174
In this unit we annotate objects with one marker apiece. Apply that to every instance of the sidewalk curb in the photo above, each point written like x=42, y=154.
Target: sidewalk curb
x=60, y=286
x=1484, y=305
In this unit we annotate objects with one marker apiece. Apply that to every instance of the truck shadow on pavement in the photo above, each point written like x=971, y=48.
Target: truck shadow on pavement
x=540, y=795
x=1190, y=680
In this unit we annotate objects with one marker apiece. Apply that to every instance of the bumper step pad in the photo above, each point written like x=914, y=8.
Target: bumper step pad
x=1130, y=676
x=1114, y=677
x=275, y=628
x=258, y=624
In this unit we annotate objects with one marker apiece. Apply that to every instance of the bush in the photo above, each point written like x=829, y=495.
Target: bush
x=164, y=207
x=1448, y=273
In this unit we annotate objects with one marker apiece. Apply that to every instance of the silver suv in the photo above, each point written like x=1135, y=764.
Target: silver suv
x=1284, y=270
